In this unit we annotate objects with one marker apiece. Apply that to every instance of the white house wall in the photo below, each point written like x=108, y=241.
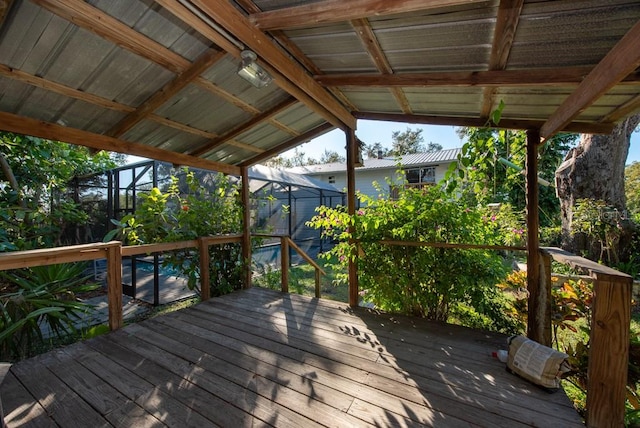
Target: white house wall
x=366, y=177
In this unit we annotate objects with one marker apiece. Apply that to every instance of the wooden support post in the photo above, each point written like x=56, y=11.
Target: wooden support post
x=608, y=351
x=351, y=209
x=544, y=298
x=535, y=324
x=284, y=263
x=246, y=228
x=114, y=285
x=205, y=286
x=317, y=283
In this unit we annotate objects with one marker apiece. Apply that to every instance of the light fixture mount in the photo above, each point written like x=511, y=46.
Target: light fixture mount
x=251, y=71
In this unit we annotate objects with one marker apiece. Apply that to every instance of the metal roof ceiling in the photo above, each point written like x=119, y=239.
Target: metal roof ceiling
x=158, y=78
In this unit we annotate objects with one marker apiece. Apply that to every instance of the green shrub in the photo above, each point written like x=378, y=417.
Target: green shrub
x=188, y=210
x=422, y=281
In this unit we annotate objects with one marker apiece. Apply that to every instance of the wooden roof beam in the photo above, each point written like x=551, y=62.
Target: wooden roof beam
x=370, y=42
x=622, y=60
x=27, y=126
x=222, y=139
x=330, y=11
x=518, y=78
x=505, y=123
x=503, y=36
x=206, y=60
x=93, y=99
x=93, y=19
x=228, y=17
x=109, y=28
x=296, y=141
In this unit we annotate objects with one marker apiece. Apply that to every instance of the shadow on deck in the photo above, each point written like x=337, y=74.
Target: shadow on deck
x=263, y=358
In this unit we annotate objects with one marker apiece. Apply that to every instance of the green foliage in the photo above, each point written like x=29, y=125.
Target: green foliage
x=483, y=174
x=40, y=297
x=188, y=210
x=34, y=204
x=422, y=281
x=632, y=190
x=572, y=302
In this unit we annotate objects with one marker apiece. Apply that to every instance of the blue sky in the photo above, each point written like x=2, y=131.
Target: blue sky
x=376, y=131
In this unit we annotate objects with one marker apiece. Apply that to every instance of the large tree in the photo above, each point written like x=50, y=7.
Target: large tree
x=407, y=142
x=594, y=170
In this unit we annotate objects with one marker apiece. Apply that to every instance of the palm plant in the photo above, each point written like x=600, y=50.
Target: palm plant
x=38, y=298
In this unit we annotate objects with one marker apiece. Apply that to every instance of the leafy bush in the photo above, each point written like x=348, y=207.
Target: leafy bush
x=422, y=281
x=37, y=298
x=188, y=210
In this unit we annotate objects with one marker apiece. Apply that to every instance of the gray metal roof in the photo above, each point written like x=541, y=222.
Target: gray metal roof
x=286, y=177
x=158, y=79
x=413, y=160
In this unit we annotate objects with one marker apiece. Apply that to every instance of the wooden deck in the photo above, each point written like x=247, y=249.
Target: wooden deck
x=263, y=358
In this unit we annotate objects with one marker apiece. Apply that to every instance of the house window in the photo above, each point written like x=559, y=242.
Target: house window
x=332, y=179
x=424, y=175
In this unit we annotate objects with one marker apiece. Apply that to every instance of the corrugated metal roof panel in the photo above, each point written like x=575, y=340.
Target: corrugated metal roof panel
x=154, y=22
x=157, y=135
x=567, y=33
x=203, y=110
x=417, y=159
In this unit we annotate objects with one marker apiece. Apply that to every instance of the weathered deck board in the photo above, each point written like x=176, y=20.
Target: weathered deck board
x=263, y=358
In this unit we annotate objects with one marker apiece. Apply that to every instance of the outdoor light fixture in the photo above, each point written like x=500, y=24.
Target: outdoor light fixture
x=251, y=71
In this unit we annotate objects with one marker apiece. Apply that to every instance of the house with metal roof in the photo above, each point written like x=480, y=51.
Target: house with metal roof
x=419, y=169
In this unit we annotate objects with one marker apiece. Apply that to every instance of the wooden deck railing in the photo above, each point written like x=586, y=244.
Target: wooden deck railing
x=285, y=243
x=609, y=339
x=610, y=323
x=611, y=306
x=114, y=251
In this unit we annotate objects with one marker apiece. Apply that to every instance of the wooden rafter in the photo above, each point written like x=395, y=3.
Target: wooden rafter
x=93, y=99
x=206, y=60
x=237, y=24
x=503, y=37
x=626, y=109
x=547, y=77
x=222, y=139
x=102, y=24
x=28, y=126
x=61, y=89
x=203, y=28
x=622, y=60
x=590, y=128
x=92, y=19
x=330, y=11
x=370, y=41
x=300, y=139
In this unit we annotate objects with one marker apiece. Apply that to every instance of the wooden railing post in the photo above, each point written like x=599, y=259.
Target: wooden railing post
x=543, y=301
x=317, y=282
x=284, y=263
x=609, y=350
x=114, y=285
x=203, y=251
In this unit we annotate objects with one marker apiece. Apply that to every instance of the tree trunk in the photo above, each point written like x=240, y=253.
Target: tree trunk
x=595, y=170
